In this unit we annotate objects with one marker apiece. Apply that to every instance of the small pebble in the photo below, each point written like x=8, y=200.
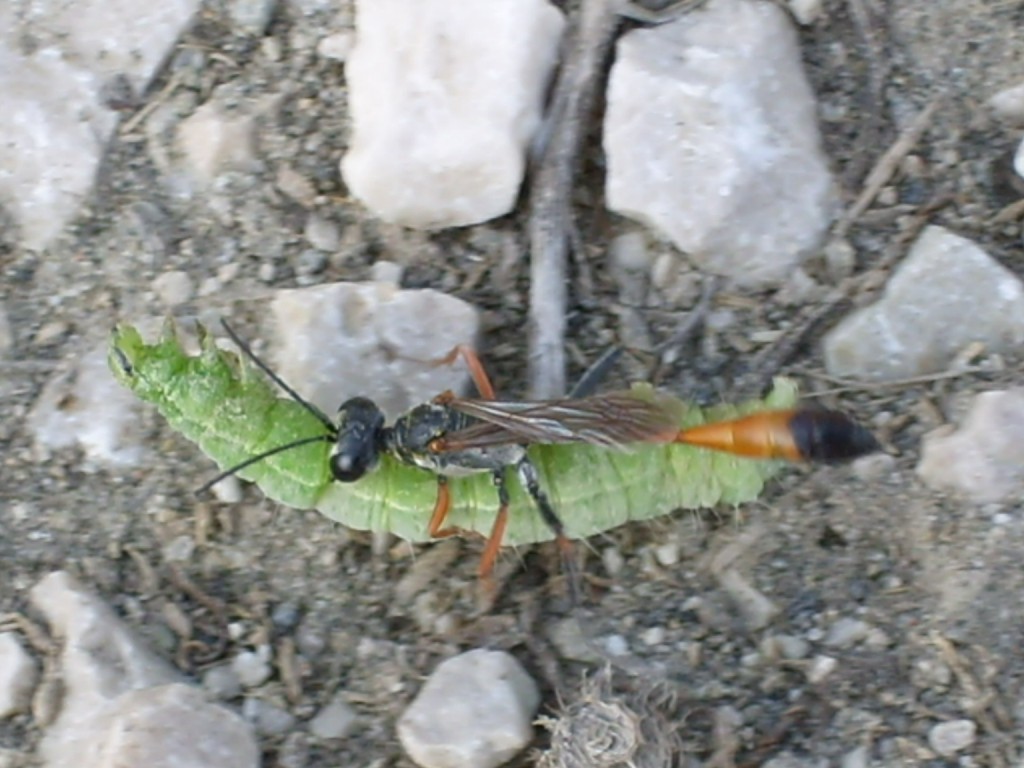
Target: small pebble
x=285, y=615
x=173, y=288
x=653, y=636
x=949, y=738
x=322, y=233
x=616, y=645
x=820, y=668
x=667, y=554
x=266, y=718
x=334, y=721
x=846, y=632
x=252, y=669
x=613, y=561
x=228, y=490
x=222, y=683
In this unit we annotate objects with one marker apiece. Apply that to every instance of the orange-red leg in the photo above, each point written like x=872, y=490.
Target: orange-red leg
x=442, y=505
x=475, y=366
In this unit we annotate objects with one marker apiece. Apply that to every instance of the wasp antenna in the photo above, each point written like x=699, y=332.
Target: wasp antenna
x=260, y=457
x=277, y=379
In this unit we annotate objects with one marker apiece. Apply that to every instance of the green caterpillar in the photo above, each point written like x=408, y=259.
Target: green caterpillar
x=232, y=412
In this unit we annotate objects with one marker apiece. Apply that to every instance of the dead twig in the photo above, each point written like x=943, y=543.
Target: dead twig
x=885, y=167
x=550, y=218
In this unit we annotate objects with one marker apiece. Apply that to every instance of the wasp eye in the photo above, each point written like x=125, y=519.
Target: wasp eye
x=348, y=468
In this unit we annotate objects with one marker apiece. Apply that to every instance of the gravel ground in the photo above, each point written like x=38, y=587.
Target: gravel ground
x=894, y=610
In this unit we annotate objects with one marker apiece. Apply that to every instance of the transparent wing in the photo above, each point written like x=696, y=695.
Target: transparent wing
x=612, y=419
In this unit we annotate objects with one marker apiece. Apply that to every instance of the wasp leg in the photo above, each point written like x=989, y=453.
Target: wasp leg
x=440, y=513
x=527, y=473
x=490, y=555
x=475, y=366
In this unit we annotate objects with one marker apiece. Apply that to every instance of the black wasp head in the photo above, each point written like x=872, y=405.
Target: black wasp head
x=360, y=437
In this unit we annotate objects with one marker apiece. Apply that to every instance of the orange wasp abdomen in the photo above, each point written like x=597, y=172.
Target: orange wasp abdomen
x=802, y=434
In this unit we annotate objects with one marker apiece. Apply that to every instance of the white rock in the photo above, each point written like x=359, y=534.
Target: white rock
x=54, y=121
x=213, y=141
x=18, y=675
x=984, y=459
x=946, y=294
x=340, y=340
x=170, y=726
x=85, y=406
x=954, y=736
x=475, y=711
x=1018, y=160
x=173, y=288
x=101, y=661
x=322, y=233
x=1008, y=105
x=445, y=97
x=712, y=139
x=334, y=721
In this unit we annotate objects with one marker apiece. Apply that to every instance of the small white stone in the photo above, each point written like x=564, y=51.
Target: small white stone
x=334, y=721
x=846, y=632
x=667, y=554
x=1018, y=160
x=821, y=667
x=18, y=675
x=653, y=636
x=228, y=490
x=322, y=233
x=173, y=288
x=476, y=710
x=949, y=738
x=251, y=668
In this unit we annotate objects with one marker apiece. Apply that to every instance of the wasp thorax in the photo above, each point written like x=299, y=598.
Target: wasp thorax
x=360, y=436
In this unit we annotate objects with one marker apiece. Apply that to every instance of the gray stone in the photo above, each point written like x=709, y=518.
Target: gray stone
x=948, y=293
x=340, y=340
x=712, y=139
x=984, y=459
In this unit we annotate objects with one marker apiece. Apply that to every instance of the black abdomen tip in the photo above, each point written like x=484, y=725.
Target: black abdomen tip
x=822, y=435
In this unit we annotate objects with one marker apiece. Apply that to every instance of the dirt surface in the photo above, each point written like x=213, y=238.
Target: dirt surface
x=937, y=582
